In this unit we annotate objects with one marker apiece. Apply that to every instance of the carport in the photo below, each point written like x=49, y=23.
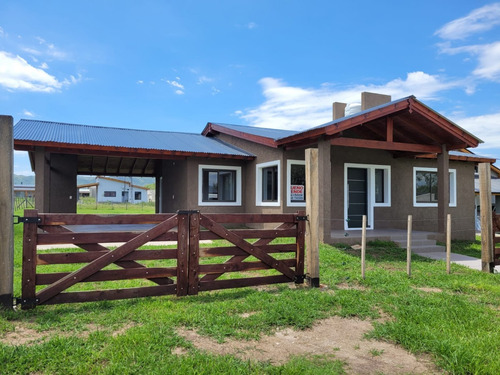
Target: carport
x=59, y=152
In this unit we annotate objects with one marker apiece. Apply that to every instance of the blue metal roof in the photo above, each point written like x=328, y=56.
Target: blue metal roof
x=45, y=131
x=260, y=132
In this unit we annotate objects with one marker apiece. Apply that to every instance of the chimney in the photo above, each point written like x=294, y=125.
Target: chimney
x=370, y=99
x=338, y=110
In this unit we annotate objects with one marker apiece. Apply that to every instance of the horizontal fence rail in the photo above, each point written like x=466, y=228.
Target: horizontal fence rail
x=80, y=258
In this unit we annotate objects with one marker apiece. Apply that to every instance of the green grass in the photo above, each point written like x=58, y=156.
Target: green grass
x=454, y=318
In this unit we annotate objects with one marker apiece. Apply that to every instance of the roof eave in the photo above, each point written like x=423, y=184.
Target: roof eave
x=213, y=129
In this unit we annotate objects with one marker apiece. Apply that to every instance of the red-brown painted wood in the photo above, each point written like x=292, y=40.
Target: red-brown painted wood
x=28, y=287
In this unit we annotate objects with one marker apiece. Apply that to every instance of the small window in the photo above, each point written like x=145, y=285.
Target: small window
x=425, y=187
x=110, y=194
x=219, y=185
x=138, y=195
x=296, y=182
x=268, y=184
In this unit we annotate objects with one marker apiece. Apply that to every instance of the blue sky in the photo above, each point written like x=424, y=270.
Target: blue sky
x=176, y=65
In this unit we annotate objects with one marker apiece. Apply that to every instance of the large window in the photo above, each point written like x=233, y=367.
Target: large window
x=110, y=194
x=425, y=187
x=137, y=195
x=268, y=184
x=296, y=182
x=219, y=185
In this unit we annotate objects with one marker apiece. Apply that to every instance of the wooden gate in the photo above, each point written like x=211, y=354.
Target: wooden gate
x=496, y=240
x=117, y=265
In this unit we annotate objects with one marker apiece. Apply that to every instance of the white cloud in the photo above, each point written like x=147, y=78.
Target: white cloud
x=44, y=66
x=251, y=25
x=17, y=74
x=288, y=107
x=204, y=79
x=479, y=20
x=489, y=62
x=175, y=84
x=140, y=82
x=28, y=113
x=484, y=127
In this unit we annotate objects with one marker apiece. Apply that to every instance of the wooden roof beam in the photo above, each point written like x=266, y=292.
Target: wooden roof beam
x=384, y=145
x=444, y=123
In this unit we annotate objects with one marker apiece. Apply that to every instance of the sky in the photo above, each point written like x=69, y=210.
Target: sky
x=176, y=65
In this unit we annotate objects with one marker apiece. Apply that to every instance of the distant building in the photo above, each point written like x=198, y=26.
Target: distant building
x=108, y=189
x=24, y=191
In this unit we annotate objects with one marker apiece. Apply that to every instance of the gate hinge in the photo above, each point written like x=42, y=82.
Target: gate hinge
x=299, y=279
x=302, y=218
x=29, y=219
x=27, y=303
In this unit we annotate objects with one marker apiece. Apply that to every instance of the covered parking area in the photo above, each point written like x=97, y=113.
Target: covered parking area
x=59, y=152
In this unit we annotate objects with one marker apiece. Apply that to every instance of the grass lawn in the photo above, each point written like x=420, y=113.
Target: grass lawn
x=455, y=319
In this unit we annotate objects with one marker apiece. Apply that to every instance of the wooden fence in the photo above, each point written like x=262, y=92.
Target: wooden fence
x=496, y=240
x=186, y=267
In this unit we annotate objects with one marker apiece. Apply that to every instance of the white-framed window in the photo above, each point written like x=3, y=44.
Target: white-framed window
x=219, y=185
x=296, y=183
x=268, y=184
x=425, y=187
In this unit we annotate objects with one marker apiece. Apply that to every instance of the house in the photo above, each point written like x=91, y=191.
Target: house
x=24, y=191
x=382, y=158
x=107, y=189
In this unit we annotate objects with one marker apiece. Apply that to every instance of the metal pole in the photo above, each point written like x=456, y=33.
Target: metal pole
x=448, y=244
x=6, y=212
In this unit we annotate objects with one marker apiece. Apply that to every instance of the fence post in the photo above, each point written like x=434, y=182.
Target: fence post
x=299, y=261
x=30, y=239
x=408, y=245
x=448, y=244
x=487, y=257
x=312, y=209
x=194, y=252
x=363, y=247
x=182, y=252
x=6, y=213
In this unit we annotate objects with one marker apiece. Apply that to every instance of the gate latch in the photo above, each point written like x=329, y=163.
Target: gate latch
x=27, y=220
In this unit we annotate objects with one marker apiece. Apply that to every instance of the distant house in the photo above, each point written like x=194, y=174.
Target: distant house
x=107, y=189
x=24, y=191
x=495, y=190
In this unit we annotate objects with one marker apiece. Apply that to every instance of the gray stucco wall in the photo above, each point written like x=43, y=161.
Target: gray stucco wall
x=395, y=216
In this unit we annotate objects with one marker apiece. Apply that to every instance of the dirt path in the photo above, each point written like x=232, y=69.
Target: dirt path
x=341, y=337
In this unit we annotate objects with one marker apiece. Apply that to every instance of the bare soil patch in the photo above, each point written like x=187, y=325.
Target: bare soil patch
x=25, y=334
x=342, y=338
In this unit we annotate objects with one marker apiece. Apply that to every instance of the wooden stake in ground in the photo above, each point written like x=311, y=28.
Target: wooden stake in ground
x=408, y=246
x=6, y=212
x=448, y=244
x=363, y=247
x=487, y=256
x=312, y=211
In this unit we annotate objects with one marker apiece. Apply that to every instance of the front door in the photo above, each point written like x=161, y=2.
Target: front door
x=357, y=196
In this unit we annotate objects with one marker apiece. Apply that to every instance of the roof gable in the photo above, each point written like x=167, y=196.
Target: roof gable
x=405, y=126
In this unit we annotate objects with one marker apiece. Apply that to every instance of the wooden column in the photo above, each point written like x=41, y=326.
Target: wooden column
x=487, y=246
x=6, y=212
x=324, y=190
x=313, y=214
x=443, y=188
